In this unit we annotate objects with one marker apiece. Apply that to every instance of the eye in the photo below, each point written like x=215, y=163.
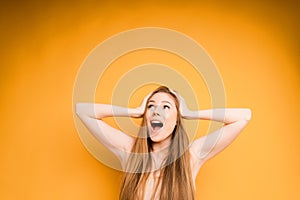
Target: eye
x=166, y=107
x=150, y=106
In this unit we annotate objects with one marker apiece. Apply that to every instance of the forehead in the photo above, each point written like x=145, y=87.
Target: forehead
x=162, y=96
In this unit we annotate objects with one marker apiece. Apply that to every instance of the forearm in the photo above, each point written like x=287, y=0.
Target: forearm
x=224, y=115
x=99, y=111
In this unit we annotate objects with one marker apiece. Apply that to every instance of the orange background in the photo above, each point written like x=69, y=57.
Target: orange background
x=255, y=46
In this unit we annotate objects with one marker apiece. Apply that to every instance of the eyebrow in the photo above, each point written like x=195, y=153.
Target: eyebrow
x=162, y=101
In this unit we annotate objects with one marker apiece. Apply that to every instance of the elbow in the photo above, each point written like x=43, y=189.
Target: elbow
x=84, y=109
x=79, y=108
x=248, y=114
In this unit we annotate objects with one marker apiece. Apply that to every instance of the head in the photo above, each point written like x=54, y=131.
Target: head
x=161, y=124
x=162, y=115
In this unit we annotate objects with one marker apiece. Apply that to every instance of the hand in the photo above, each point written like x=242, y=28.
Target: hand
x=183, y=108
x=139, y=111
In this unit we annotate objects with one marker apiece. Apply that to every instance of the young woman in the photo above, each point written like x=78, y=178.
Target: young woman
x=160, y=163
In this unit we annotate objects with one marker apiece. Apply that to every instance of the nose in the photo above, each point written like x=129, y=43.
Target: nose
x=157, y=111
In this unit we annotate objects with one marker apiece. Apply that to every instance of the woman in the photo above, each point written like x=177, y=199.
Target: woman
x=161, y=164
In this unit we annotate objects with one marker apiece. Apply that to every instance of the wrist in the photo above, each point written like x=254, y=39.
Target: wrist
x=188, y=114
x=135, y=112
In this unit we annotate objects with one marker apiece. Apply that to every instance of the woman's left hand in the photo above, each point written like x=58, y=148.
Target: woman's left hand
x=183, y=108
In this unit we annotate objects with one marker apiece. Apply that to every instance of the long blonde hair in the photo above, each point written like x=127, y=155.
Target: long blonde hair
x=175, y=182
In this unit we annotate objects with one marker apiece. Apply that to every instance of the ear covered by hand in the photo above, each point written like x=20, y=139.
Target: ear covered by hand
x=183, y=108
x=141, y=109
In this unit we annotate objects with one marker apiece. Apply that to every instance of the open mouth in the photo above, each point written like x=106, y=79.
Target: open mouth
x=156, y=125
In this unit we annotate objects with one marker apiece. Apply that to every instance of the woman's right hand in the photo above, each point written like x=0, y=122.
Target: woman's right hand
x=139, y=111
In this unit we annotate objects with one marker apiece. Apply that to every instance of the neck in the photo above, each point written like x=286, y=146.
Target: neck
x=162, y=145
x=159, y=153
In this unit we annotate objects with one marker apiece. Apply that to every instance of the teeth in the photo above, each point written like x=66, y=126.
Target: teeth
x=155, y=121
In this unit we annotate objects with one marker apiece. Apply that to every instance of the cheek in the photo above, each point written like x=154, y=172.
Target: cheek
x=171, y=121
x=147, y=115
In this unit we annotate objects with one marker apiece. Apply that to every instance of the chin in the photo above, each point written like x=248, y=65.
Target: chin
x=160, y=137
x=156, y=138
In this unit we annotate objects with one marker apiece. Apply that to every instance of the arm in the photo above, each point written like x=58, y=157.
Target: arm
x=99, y=111
x=115, y=140
x=234, y=119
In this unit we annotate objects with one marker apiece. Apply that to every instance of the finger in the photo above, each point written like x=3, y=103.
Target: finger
x=148, y=95
x=174, y=91
x=176, y=94
x=146, y=98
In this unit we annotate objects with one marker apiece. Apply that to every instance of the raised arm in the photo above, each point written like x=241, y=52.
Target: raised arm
x=234, y=119
x=91, y=115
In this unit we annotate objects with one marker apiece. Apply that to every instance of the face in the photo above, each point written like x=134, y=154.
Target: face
x=161, y=116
